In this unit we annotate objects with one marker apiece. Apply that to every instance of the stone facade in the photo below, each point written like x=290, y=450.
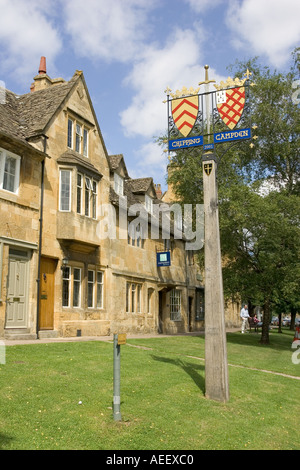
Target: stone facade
x=69, y=265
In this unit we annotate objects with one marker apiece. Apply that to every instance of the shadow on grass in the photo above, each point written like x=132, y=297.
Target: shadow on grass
x=279, y=341
x=4, y=441
x=191, y=369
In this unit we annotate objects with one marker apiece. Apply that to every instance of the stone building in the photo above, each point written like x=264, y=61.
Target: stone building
x=76, y=255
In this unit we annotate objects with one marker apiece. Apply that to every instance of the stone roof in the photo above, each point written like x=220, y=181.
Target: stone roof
x=38, y=108
x=114, y=198
x=140, y=185
x=27, y=115
x=9, y=116
x=115, y=161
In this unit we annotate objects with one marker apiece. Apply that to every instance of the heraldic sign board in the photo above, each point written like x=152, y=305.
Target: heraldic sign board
x=201, y=119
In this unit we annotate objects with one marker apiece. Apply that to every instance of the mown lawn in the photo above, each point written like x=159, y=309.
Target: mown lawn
x=163, y=402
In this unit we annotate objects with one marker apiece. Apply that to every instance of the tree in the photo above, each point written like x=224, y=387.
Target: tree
x=276, y=113
x=261, y=239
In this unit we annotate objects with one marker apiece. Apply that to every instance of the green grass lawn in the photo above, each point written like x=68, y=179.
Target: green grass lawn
x=163, y=402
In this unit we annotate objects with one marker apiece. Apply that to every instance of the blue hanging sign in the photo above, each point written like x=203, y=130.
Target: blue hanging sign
x=186, y=142
x=163, y=258
x=239, y=134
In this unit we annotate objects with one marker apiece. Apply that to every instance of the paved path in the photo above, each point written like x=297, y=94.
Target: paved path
x=14, y=342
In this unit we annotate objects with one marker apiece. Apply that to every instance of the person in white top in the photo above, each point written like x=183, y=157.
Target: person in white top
x=244, y=316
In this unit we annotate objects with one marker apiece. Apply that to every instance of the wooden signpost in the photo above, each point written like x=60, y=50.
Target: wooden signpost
x=186, y=111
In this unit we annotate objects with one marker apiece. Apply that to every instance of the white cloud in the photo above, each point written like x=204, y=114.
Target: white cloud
x=268, y=27
x=110, y=30
x=150, y=160
x=176, y=65
x=26, y=33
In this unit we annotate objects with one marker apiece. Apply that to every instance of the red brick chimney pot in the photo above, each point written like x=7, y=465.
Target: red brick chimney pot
x=42, y=68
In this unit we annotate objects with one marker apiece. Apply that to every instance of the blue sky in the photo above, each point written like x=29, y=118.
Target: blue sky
x=130, y=50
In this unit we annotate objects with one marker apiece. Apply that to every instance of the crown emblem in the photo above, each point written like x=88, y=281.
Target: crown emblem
x=233, y=83
x=184, y=92
x=230, y=83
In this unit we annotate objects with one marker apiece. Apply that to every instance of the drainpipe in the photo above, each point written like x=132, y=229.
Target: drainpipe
x=40, y=238
x=187, y=289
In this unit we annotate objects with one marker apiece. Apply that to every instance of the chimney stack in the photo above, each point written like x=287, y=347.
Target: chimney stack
x=42, y=80
x=42, y=68
x=158, y=191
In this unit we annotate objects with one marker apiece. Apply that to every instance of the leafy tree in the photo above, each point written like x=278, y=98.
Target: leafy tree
x=261, y=239
x=276, y=113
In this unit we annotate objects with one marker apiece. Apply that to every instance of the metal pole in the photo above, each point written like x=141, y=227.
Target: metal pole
x=117, y=397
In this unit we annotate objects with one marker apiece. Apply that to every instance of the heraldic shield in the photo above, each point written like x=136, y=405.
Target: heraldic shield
x=185, y=112
x=230, y=104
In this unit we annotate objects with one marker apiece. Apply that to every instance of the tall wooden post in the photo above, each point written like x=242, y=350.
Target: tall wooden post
x=216, y=367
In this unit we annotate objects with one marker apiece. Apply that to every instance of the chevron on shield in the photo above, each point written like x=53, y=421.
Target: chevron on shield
x=185, y=112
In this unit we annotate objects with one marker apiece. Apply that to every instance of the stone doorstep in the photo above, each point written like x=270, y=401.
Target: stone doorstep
x=46, y=334
x=18, y=334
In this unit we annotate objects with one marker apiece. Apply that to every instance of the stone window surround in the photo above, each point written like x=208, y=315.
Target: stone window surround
x=84, y=125
x=4, y=153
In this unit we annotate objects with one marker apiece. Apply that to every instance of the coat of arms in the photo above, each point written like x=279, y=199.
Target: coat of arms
x=208, y=168
x=231, y=101
x=185, y=112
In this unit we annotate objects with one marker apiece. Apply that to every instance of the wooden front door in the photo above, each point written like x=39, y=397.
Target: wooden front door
x=46, y=317
x=17, y=289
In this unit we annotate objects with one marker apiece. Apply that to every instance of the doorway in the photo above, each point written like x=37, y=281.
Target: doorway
x=17, y=289
x=46, y=307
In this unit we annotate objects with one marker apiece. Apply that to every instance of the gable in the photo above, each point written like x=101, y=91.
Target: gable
x=117, y=165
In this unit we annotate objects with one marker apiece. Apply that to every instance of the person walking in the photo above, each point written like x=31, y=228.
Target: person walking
x=244, y=316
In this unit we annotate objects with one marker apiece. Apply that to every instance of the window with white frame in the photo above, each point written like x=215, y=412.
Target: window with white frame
x=71, y=287
x=85, y=142
x=133, y=297
x=76, y=287
x=99, y=288
x=79, y=141
x=149, y=204
x=9, y=171
x=90, y=198
x=70, y=133
x=79, y=192
x=95, y=289
x=78, y=137
x=66, y=287
x=94, y=200
x=118, y=184
x=175, y=305
x=91, y=289
x=65, y=190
